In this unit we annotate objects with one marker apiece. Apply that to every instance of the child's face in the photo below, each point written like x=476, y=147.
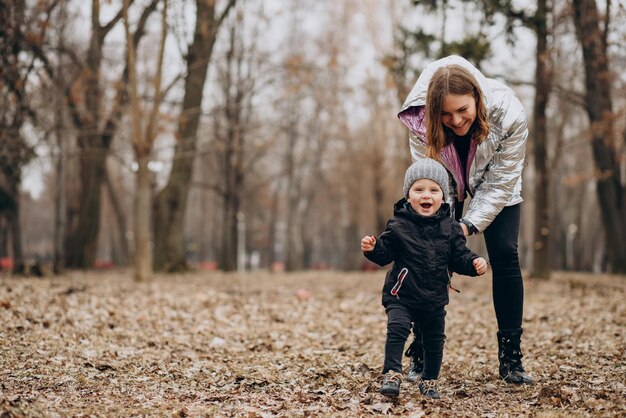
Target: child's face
x=425, y=197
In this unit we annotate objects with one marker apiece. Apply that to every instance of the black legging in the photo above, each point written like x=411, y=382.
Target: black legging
x=507, y=284
x=432, y=324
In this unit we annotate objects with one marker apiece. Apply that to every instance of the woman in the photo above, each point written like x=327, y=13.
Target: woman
x=476, y=127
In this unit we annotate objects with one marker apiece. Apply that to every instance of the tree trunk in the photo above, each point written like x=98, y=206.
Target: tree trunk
x=378, y=190
x=293, y=250
x=611, y=194
x=293, y=197
x=541, y=244
x=233, y=85
x=228, y=257
x=11, y=163
x=351, y=258
x=16, y=235
x=60, y=204
x=231, y=205
x=272, y=225
x=170, y=204
x=307, y=244
x=143, y=141
x=143, y=208
x=4, y=235
x=81, y=244
x=120, y=218
x=15, y=153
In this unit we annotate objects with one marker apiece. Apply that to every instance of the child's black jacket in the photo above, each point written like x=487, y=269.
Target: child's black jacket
x=427, y=247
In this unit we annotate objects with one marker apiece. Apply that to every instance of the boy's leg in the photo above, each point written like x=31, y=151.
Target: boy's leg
x=416, y=353
x=433, y=324
x=398, y=329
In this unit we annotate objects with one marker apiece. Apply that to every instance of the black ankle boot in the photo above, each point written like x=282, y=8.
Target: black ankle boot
x=392, y=381
x=416, y=353
x=429, y=389
x=510, y=356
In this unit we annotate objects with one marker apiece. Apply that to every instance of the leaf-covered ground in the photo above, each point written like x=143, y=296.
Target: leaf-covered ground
x=307, y=344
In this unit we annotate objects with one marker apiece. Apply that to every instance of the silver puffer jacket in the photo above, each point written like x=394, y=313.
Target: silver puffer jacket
x=495, y=166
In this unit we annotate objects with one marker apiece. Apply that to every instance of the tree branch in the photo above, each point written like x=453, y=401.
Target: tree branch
x=208, y=186
x=230, y=5
x=141, y=25
x=121, y=98
x=607, y=23
x=104, y=30
x=152, y=122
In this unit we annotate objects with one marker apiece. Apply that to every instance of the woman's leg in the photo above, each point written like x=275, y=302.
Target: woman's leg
x=508, y=287
x=508, y=292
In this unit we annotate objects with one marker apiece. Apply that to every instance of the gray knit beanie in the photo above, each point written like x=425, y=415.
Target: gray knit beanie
x=426, y=168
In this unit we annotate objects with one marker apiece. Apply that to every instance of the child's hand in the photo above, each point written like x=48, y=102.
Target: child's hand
x=368, y=243
x=480, y=265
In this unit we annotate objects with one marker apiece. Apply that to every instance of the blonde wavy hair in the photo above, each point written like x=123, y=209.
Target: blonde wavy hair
x=452, y=79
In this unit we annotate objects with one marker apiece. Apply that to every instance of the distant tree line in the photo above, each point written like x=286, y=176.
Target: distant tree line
x=175, y=135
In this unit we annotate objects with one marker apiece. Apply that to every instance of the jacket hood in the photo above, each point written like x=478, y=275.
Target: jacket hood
x=417, y=96
x=402, y=208
x=413, y=114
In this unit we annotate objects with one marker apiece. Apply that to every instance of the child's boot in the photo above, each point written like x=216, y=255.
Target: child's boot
x=429, y=388
x=391, y=383
x=416, y=353
x=510, y=357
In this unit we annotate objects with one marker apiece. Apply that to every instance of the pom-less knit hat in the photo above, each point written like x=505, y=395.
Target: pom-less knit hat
x=426, y=168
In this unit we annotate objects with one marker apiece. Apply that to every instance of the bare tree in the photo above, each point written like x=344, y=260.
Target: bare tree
x=543, y=79
x=599, y=106
x=170, y=203
x=21, y=33
x=84, y=94
x=306, y=139
x=237, y=148
x=143, y=142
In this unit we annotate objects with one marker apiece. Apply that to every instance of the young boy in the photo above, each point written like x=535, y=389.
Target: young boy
x=424, y=243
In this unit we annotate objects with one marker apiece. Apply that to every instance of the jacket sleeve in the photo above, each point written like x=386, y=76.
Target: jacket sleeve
x=461, y=257
x=385, y=250
x=505, y=169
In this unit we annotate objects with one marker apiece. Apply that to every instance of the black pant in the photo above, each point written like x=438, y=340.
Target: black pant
x=432, y=325
x=507, y=284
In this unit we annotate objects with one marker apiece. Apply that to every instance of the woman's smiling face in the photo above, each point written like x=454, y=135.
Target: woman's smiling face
x=458, y=113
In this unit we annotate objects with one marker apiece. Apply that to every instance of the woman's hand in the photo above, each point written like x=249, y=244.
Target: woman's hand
x=368, y=243
x=465, y=230
x=480, y=265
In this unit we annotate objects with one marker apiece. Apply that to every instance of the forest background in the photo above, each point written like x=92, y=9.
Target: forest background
x=241, y=135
